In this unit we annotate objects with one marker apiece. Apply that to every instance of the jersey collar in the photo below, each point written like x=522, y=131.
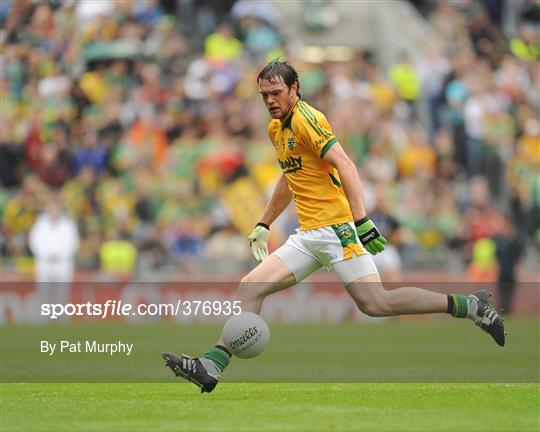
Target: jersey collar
x=287, y=122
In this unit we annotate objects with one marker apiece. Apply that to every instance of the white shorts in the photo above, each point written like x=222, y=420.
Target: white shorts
x=335, y=247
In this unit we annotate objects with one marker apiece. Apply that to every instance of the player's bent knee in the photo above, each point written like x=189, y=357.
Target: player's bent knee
x=375, y=309
x=249, y=278
x=249, y=288
x=268, y=277
x=371, y=299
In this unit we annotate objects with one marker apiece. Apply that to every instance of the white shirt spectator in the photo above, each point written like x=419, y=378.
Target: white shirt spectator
x=474, y=112
x=432, y=70
x=54, y=240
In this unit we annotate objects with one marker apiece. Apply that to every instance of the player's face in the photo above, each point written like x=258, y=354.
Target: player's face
x=278, y=98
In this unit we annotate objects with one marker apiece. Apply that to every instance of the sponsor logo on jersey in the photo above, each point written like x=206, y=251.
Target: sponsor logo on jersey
x=291, y=164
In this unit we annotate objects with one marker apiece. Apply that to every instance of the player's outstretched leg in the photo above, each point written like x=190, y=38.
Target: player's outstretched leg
x=372, y=299
x=478, y=307
x=270, y=276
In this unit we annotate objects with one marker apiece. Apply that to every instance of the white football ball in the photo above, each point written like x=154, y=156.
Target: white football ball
x=246, y=335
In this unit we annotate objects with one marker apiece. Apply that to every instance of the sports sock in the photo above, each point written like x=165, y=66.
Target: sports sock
x=458, y=305
x=219, y=355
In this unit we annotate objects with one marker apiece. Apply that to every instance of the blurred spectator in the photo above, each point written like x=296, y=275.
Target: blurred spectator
x=509, y=250
x=483, y=267
x=483, y=35
x=389, y=261
x=226, y=249
x=500, y=135
x=530, y=12
x=90, y=153
x=381, y=90
x=407, y=82
x=526, y=46
x=446, y=156
x=450, y=25
x=11, y=164
x=221, y=46
x=117, y=255
x=418, y=158
x=148, y=12
x=263, y=11
x=54, y=241
x=319, y=15
x=79, y=196
x=88, y=256
x=206, y=21
x=475, y=111
x=379, y=162
x=152, y=255
x=259, y=38
x=187, y=246
x=54, y=166
x=432, y=70
x=20, y=213
x=522, y=173
x=483, y=218
x=456, y=93
x=146, y=141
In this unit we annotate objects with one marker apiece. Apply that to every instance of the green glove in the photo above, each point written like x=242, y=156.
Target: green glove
x=369, y=236
x=258, y=241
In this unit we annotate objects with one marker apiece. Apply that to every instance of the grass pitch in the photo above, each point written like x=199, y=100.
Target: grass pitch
x=272, y=407
x=432, y=375
x=435, y=350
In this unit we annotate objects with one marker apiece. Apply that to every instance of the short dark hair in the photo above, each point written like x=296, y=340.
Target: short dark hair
x=280, y=68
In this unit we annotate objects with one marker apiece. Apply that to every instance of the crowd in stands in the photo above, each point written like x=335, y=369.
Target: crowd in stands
x=147, y=137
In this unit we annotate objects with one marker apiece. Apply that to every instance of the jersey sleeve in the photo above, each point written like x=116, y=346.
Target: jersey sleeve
x=313, y=130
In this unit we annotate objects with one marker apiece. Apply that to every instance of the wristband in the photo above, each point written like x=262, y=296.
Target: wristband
x=262, y=224
x=361, y=221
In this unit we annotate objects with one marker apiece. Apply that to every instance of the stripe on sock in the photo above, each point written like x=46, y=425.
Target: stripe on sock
x=219, y=357
x=461, y=306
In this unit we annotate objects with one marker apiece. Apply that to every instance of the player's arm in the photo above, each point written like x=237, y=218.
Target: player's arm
x=368, y=234
x=279, y=201
x=349, y=178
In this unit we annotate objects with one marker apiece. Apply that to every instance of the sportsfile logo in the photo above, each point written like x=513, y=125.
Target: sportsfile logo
x=291, y=164
x=248, y=334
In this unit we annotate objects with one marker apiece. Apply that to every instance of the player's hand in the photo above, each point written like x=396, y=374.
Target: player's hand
x=370, y=236
x=258, y=241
